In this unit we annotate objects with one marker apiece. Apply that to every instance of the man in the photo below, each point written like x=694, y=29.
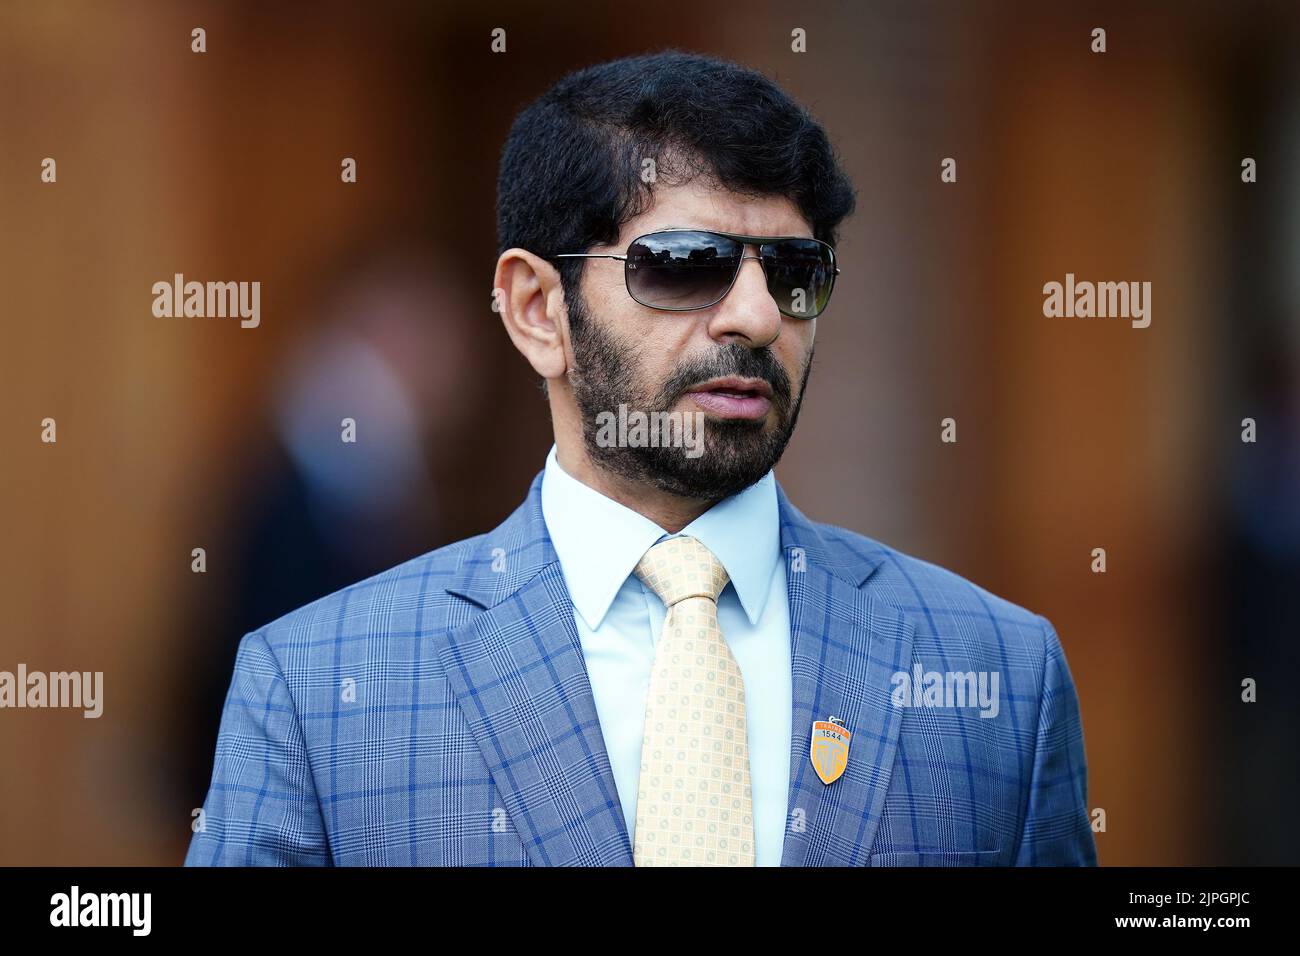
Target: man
x=657, y=659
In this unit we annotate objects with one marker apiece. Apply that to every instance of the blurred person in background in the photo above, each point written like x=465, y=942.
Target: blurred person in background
x=390, y=352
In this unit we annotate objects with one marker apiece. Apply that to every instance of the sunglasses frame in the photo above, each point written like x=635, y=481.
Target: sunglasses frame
x=759, y=241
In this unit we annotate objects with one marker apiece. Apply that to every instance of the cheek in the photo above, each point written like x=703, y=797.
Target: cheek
x=608, y=302
x=603, y=288
x=795, y=346
x=656, y=337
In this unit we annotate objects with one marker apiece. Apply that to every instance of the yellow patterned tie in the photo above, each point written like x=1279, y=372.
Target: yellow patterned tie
x=694, y=805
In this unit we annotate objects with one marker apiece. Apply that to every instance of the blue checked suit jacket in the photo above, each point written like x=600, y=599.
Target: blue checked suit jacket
x=439, y=714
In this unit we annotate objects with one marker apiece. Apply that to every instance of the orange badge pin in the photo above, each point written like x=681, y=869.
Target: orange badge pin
x=830, y=748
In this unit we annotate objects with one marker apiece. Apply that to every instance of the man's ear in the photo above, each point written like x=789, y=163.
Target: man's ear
x=530, y=298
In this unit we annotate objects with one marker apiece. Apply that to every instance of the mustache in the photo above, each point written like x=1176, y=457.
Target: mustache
x=732, y=359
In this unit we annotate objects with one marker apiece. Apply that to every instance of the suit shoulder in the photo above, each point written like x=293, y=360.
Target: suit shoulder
x=395, y=590
x=921, y=588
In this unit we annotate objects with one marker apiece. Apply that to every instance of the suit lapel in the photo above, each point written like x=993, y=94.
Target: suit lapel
x=846, y=648
x=518, y=673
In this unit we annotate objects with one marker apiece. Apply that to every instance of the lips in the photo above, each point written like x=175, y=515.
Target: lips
x=738, y=398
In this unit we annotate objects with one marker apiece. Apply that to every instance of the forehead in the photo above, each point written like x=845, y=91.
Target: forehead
x=700, y=205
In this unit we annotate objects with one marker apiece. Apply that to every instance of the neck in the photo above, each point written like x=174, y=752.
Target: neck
x=670, y=512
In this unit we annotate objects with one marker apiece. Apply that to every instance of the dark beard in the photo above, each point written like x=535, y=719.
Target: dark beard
x=736, y=453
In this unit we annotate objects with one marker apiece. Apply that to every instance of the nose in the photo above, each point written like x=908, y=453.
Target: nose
x=748, y=313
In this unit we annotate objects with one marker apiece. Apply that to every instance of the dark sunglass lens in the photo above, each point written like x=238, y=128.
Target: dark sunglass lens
x=800, y=273
x=681, y=270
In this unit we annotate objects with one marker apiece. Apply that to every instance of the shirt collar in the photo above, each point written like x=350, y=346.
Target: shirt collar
x=600, y=541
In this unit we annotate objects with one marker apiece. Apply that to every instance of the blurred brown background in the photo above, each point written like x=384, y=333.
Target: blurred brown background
x=1073, y=434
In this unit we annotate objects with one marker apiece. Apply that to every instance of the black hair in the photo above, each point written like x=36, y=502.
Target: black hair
x=571, y=168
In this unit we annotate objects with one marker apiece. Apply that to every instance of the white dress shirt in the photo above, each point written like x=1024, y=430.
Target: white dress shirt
x=619, y=619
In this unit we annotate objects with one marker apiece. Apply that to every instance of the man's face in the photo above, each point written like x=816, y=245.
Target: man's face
x=739, y=362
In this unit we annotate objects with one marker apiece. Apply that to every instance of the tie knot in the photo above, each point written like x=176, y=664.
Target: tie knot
x=680, y=568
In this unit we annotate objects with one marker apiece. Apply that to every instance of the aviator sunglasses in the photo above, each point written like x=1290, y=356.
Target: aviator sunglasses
x=682, y=270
